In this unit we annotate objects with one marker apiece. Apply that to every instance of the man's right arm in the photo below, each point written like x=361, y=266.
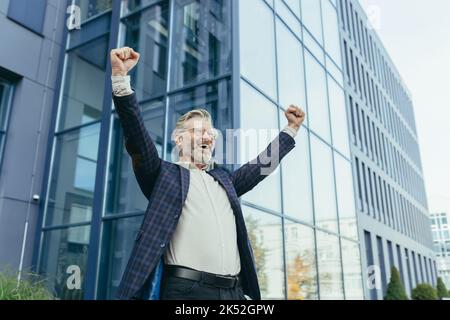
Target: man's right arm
x=138, y=143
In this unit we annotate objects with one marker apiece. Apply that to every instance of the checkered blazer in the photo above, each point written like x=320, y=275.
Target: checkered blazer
x=166, y=185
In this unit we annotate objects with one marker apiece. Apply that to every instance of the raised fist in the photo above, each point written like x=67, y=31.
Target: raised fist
x=295, y=116
x=123, y=60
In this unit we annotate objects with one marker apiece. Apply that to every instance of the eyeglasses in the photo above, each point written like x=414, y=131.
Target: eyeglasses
x=213, y=133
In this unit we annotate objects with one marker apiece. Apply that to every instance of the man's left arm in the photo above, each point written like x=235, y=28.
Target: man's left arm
x=250, y=174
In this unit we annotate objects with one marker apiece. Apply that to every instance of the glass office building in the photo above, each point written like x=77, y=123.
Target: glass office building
x=245, y=62
x=441, y=238
x=393, y=214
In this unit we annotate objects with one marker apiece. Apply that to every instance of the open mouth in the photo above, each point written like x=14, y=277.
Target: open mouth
x=204, y=146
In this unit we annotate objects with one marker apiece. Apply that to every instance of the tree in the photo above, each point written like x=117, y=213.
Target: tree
x=395, y=289
x=299, y=278
x=442, y=291
x=424, y=291
x=259, y=251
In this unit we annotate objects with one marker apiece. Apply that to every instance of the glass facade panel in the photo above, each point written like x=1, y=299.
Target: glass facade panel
x=296, y=178
x=265, y=234
x=352, y=270
x=257, y=45
x=202, y=41
x=330, y=271
x=259, y=123
x=331, y=31
x=338, y=113
x=5, y=92
x=323, y=185
x=147, y=32
x=118, y=239
x=311, y=17
x=319, y=117
x=291, y=74
x=92, y=8
x=123, y=193
x=82, y=99
x=345, y=196
x=300, y=262
x=71, y=191
x=65, y=252
x=214, y=97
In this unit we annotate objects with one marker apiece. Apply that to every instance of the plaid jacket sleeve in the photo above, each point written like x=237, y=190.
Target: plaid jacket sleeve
x=138, y=143
x=253, y=172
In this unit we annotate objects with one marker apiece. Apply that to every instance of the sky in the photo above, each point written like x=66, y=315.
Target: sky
x=416, y=34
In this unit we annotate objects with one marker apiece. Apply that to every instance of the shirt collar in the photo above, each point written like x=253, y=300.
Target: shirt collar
x=191, y=166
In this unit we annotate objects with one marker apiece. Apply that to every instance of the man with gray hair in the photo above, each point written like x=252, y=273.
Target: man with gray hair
x=193, y=242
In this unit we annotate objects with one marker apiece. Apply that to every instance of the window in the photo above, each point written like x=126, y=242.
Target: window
x=323, y=184
x=311, y=16
x=319, y=118
x=82, y=99
x=257, y=45
x=296, y=177
x=72, y=181
x=118, y=239
x=329, y=265
x=259, y=123
x=265, y=234
x=338, y=113
x=331, y=31
x=5, y=102
x=92, y=8
x=291, y=73
x=63, y=248
x=30, y=14
x=147, y=33
x=345, y=196
x=202, y=41
x=301, y=263
x=351, y=263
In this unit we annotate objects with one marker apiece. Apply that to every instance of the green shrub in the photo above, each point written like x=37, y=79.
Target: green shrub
x=395, y=289
x=27, y=289
x=442, y=291
x=424, y=291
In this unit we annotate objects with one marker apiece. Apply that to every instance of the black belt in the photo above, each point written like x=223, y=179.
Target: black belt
x=212, y=279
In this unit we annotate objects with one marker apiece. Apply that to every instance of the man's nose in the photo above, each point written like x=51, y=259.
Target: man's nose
x=207, y=136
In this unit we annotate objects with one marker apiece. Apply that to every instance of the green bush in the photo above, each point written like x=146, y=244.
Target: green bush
x=395, y=289
x=442, y=291
x=26, y=289
x=424, y=291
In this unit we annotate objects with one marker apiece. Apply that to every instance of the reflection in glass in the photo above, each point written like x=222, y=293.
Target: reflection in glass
x=291, y=74
x=62, y=249
x=117, y=243
x=265, y=234
x=214, y=97
x=92, y=8
x=345, y=196
x=82, y=99
x=351, y=262
x=73, y=177
x=124, y=194
x=257, y=45
x=202, y=41
x=259, y=127
x=338, y=112
x=319, y=118
x=147, y=32
x=323, y=184
x=329, y=262
x=300, y=262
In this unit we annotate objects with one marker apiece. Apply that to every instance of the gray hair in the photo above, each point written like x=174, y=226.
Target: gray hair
x=201, y=113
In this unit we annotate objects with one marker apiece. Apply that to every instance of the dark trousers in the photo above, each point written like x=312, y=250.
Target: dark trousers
x=173, y=288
